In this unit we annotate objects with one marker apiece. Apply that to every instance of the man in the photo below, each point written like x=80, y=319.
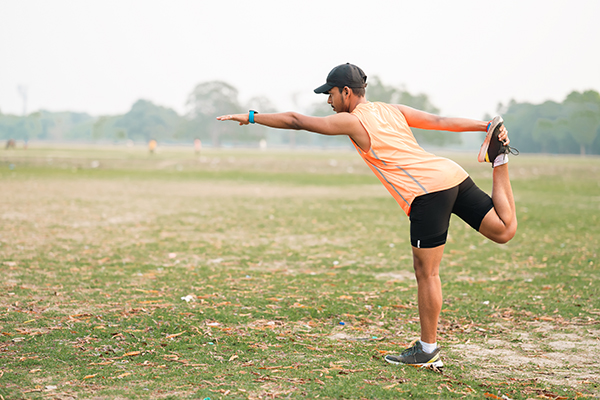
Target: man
x=428, y=188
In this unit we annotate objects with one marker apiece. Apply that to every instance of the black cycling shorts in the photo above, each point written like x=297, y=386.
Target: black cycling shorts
x=430, y=213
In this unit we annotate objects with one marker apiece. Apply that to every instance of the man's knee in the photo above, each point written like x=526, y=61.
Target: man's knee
x=507, y=234
x=424, y=270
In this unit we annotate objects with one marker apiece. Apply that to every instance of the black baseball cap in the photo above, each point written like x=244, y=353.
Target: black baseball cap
x=344, y=75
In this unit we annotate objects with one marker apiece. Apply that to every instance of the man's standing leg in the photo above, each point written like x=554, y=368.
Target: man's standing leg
x=429, y=293
x=429, y=289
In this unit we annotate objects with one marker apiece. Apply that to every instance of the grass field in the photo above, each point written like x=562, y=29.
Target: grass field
x=247, y=274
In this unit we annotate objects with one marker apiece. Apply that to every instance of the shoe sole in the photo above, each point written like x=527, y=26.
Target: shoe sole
x=437, y=364
x=482, y=156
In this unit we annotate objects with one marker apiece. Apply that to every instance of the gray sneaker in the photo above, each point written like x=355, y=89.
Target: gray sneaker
x=492, y=147
x=415, y=356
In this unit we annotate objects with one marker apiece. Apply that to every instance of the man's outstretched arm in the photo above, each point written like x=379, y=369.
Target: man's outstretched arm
x=330, y=125
x=337, y=124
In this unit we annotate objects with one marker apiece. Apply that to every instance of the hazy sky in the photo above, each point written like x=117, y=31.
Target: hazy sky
x=466, y=55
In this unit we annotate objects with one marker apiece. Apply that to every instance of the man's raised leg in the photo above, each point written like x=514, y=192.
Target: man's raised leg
x=500, y=223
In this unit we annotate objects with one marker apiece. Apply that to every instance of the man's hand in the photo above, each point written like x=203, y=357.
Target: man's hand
x=243, y=119
x=503, y=135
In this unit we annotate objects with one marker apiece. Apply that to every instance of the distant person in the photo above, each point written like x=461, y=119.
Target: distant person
x=11, y=144
x=197, y=146
x=428, y=188
x=262, y=144
x=152, y=146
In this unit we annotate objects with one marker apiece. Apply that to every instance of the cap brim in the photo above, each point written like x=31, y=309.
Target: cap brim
x=324, y=88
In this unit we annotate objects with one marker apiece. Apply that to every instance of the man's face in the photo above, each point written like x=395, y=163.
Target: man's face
x=336, y=100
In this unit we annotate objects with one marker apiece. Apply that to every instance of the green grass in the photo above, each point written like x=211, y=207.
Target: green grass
x=276, y=249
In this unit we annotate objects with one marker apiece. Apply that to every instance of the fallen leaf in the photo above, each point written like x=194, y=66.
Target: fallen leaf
x=175, y=335
x=274, y=367
x=492, y=396
x=132, y=353
x=89, y=376
x=32, y=390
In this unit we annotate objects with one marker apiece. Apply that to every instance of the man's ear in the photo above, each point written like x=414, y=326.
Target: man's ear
x=346, y=91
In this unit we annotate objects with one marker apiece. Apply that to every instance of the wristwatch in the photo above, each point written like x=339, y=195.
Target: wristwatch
x=251, y=116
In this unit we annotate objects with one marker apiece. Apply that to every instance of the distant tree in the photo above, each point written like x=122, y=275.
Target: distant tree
x=584, y=125
x=567, y=127
x=207, y=101
x=589, y=96
x=378, y=91
x=521, y=120
x=21, y=127
x=320, y=109
x=8, y=126
x=583, y=117
x=99, y=127
x=543, y=131
x=145, y=121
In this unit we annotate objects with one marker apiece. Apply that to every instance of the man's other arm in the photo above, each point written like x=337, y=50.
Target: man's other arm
x=424, y=120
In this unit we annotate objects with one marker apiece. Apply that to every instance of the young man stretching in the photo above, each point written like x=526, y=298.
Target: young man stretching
x=428, y=188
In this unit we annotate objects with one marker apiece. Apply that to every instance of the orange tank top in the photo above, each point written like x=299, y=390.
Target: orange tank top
x=404, y=168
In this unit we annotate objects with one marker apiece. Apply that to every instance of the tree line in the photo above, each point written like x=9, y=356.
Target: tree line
x=570, y=127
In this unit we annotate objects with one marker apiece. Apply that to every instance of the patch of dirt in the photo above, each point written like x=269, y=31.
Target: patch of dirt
x=402, y=275
x=73, y=209
x=560, y=355
x=372, y=333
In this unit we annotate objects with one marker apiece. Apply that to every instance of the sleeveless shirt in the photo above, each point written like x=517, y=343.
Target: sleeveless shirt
x=404, y=168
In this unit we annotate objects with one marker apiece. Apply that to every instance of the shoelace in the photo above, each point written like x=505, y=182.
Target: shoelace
x=506, y=149
x=412, y=350
x=513, y=151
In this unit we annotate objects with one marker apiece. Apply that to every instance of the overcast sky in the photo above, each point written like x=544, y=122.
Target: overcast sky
x=466, y=55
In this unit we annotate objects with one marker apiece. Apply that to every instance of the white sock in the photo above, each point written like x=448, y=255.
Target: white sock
x=501, y=159
x=428, y=347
